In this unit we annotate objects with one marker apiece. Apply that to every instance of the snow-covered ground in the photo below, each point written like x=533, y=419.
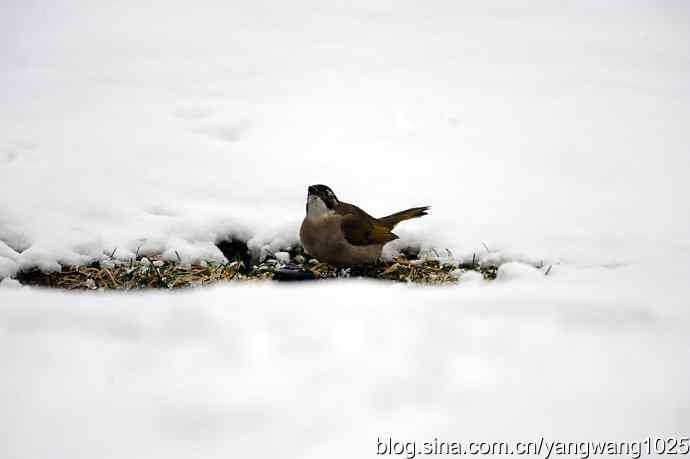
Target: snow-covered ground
x=547, y=132
x=551, y=130
x=324, y=370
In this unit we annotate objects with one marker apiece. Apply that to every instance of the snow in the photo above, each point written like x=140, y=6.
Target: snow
x=283, y=257
x=8, y=268
x=324, y=369
x=8, y=282
x=515, y=270
x=554, y=131
x=542, y=135
x=8, y=261
x=468, y=277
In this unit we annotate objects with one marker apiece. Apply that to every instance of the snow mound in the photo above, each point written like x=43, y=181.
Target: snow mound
x=10, y=283
x=471, y=277
x=8, y=267
x=515, y=270
x=8, y=261
x=169, y=139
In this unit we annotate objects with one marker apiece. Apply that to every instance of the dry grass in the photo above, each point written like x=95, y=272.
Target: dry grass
x=146, y=273
x=402, y=269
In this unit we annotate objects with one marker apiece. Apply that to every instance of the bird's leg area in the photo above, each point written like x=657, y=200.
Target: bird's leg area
x=359, y=271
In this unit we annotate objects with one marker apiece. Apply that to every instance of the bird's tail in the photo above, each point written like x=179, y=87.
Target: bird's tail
x=391, y=220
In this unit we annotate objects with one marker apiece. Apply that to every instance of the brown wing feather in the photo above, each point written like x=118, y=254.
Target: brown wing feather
x=360, y=228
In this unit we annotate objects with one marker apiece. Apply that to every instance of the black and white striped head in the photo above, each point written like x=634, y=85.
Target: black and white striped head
x=320, y=200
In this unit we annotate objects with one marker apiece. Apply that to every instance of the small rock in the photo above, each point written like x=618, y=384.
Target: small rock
x=90, y=284
x=293, y=273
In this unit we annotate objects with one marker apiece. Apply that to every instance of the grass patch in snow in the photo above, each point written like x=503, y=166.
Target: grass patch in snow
x=152, y=272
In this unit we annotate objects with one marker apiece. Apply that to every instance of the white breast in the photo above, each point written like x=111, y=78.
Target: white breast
x=316, y=208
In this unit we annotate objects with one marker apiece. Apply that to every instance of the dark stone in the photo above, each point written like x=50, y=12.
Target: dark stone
x=291, y=272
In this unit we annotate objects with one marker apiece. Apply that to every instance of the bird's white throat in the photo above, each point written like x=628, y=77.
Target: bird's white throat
x=316, y=208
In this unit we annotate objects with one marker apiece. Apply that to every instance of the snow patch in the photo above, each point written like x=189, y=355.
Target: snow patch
x=10, y=283
x=282, y=257
x=8, y=267
x=47, y=260
x=515, y=270
x=471, y=277
x=8, y=252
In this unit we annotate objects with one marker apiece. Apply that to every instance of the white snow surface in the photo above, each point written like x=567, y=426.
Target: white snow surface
x=325, y=369
x=556, y=131
x=541, y=133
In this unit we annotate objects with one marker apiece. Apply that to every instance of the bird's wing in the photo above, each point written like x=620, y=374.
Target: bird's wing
x=360, y=228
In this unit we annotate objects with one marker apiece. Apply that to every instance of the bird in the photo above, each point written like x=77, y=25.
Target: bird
x=342, y=234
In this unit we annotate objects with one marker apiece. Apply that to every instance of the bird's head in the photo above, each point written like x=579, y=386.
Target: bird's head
x=320, y=200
